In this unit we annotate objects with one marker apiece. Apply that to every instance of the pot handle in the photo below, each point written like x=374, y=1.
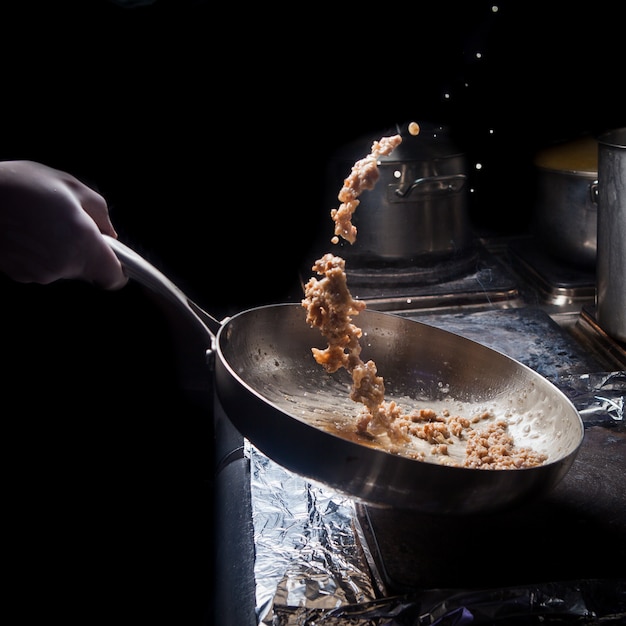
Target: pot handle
x=593, y=192
x=440, y=184
x=141, y=270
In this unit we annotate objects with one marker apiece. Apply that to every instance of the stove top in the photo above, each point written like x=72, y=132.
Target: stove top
x=556, y=282
x=474, y=279
x=512, y=298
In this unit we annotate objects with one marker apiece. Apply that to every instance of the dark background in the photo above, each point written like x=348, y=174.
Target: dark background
x=207, y=129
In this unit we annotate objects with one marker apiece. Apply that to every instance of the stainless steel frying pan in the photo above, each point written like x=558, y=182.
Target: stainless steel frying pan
x=296, y=413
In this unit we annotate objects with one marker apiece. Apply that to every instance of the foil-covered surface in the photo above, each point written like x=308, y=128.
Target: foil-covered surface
x=312, y=570
x=600, y=397
x=307, y=551
x=587, y=603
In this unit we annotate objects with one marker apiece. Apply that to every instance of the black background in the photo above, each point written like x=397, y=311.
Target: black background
x=207, y=129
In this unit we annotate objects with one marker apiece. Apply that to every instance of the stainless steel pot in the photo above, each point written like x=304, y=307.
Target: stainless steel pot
x=611, y=263
x=282, y=401
x=566, y=211
x=417, y=211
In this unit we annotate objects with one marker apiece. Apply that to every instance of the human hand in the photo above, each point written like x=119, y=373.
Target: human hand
x=51, y=227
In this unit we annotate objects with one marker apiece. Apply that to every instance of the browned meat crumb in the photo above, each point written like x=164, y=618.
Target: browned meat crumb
x=493, y=448
x=439, y=449
x=489, y=448
x=423, y=415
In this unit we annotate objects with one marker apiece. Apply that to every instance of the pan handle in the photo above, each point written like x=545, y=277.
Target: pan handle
x=141, y=270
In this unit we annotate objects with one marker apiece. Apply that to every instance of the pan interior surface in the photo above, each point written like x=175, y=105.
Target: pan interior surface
x=269, y=351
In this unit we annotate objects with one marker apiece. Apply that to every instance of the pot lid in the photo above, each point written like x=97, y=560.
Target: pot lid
x=579, y=156
x=615, y=138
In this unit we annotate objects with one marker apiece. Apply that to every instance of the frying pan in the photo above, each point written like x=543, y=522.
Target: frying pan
x=299, y=415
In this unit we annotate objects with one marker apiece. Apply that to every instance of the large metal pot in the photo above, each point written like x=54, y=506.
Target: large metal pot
x=288, y=406
x=417, y=213
x=611, y=263
x=566, y=212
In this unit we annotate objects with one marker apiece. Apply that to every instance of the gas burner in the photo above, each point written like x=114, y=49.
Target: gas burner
x=473, y=280
x=428, y=273
x=557, y=282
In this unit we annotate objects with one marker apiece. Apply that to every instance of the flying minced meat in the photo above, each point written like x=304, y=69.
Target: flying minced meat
x=364, y=175
x=328, y=301
x=331, y=307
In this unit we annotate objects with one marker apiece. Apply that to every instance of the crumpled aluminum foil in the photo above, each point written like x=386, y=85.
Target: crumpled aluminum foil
x=585, y=603
x=600, y=397
x=307, y=552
